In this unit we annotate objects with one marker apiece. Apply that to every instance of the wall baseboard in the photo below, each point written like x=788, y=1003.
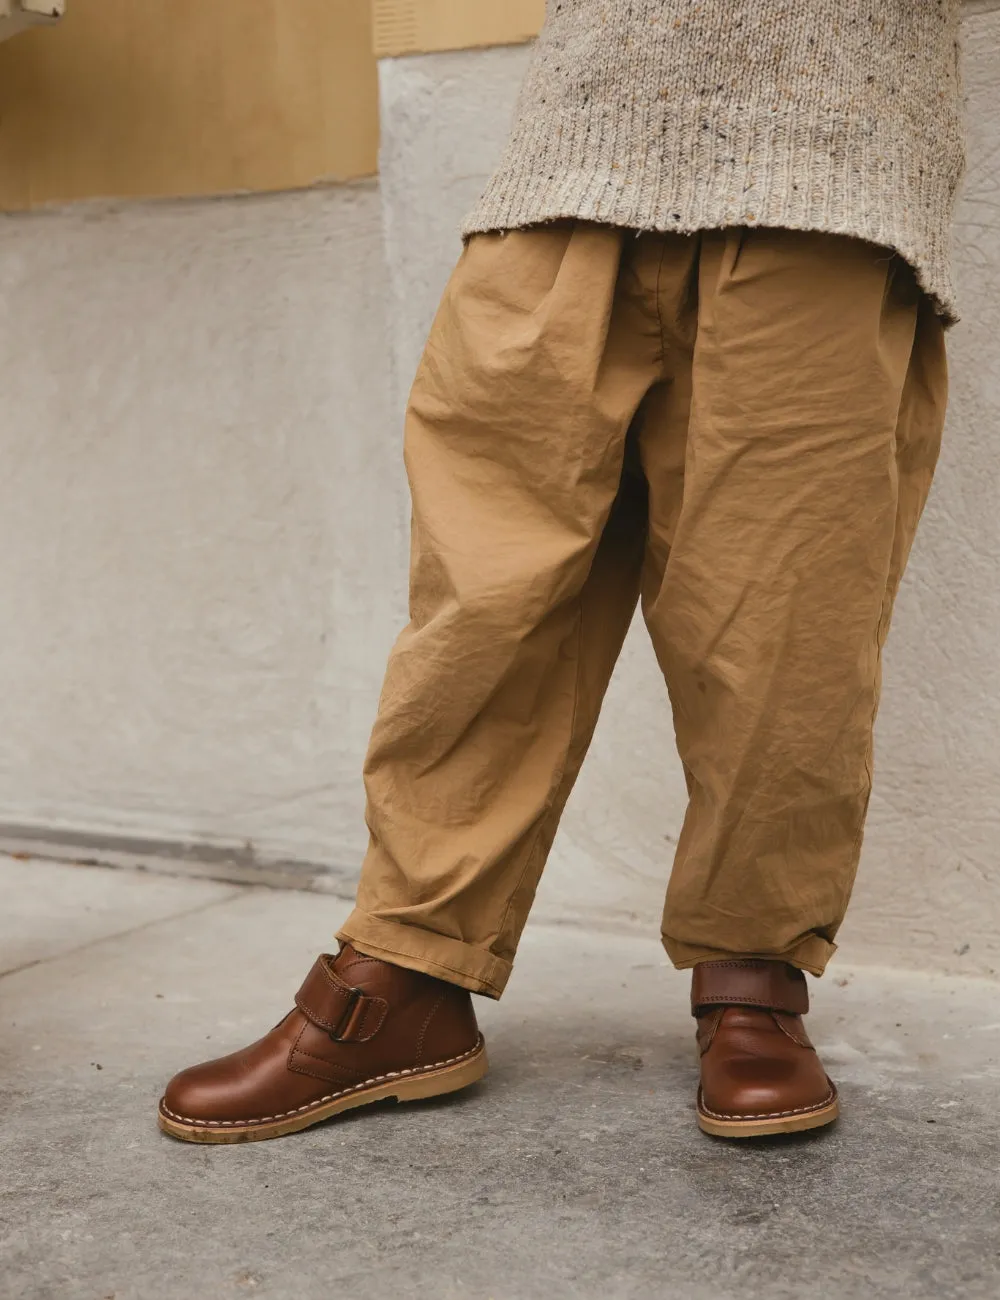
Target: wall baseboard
x=235, y=864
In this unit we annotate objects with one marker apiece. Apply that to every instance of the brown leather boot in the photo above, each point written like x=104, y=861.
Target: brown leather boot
x=760, y=1074
x=362, y=1031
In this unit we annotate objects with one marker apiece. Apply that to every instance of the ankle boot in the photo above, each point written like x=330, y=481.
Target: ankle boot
x=760, y=1074
x=362, y=1030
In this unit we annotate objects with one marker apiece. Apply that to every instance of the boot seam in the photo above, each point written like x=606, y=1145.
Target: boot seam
x=424, y=1027
x=710, y=1039
x=739, y=1001
x=788, y=1034
x=774, y=1114
x=321, y=1101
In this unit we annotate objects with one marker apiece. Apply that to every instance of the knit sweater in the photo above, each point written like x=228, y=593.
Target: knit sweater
x=681, y=115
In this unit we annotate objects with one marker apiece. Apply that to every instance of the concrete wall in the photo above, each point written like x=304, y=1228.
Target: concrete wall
x=201, y=550
x=202, y=535
x=931, y=872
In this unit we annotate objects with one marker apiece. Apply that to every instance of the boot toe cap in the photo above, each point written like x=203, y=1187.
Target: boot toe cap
x=208, y=1093
x=766, y=1099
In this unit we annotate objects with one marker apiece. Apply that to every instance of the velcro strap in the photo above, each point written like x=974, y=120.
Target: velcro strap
x=347, y=1014
x=751, y=982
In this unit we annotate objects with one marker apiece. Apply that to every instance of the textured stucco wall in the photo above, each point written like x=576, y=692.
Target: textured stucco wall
x=197, y=575
x=930, y=877
x=203, y=519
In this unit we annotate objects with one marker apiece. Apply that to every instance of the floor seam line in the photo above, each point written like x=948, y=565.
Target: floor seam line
x=121, y=934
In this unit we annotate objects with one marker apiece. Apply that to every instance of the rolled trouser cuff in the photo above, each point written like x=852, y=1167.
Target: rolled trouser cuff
x=445, y=958
x=810, y=954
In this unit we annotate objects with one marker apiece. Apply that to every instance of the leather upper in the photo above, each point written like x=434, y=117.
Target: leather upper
x=756, y=1058
x=355, y=1020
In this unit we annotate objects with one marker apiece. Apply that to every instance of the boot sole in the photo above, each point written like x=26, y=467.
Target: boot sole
x=406, y=1085
x=770, y=1126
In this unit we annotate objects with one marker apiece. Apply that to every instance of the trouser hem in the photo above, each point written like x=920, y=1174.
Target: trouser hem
x=810, y=954
x=423, y=950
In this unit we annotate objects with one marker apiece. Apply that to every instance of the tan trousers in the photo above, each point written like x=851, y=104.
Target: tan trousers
x=741, y=426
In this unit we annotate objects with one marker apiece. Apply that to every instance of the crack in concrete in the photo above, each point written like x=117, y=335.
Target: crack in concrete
x=119, y=934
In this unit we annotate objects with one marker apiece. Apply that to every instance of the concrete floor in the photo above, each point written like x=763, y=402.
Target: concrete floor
x=575, y=1170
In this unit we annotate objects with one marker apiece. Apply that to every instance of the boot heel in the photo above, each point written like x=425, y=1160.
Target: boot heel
x=450, y=1078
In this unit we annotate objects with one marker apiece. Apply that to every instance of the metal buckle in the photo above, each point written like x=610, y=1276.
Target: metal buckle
x=345, y=1019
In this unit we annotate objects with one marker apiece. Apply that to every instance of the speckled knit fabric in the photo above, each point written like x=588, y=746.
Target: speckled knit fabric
x=834, y=115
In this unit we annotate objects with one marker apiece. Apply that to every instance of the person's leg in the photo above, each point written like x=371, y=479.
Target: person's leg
x=818, y=387
x=523, y=583
x=527, y=545
x=818, y=392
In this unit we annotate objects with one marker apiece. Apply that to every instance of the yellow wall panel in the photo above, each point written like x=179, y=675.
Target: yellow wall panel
x=176, y=97
x=412, y=26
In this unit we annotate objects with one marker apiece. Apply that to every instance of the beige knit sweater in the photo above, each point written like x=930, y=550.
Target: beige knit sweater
x=835, y=115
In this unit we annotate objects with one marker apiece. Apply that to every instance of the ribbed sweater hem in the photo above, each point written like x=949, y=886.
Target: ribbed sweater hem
x=815, y=173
